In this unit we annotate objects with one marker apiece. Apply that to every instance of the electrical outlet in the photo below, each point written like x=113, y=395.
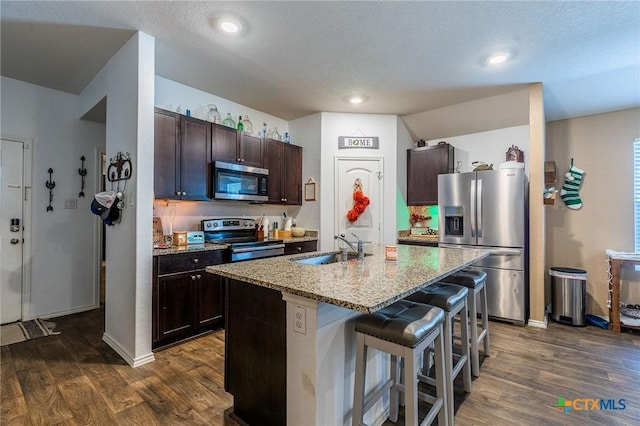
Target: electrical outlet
x=300, y=319
x=71, y=203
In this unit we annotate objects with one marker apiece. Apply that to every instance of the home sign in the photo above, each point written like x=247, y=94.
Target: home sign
x=345, y=142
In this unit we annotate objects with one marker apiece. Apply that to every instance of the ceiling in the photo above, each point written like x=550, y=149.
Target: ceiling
x=298, y=58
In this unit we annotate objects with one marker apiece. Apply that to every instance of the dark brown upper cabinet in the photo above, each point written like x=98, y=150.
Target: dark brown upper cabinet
x=284, y=162
x=182, y=153
x=234, y=146
x=423, y=167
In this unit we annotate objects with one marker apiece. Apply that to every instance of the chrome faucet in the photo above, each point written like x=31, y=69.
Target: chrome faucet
x=359, y=249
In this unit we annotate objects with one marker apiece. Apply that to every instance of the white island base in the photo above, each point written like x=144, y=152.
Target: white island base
x=321, y=365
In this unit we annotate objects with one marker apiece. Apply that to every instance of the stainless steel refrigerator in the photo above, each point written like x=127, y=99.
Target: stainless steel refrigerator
x=488, y=210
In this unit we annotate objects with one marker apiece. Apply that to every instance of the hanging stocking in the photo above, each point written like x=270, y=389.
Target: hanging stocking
x=571, y=186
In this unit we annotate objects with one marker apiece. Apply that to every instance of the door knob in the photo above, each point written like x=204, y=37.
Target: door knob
x=15, y=241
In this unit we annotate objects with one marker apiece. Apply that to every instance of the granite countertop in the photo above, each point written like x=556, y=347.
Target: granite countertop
x=364, y=287
x=207, y=246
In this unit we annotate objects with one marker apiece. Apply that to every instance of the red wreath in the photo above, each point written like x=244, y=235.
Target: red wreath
x=360, y=204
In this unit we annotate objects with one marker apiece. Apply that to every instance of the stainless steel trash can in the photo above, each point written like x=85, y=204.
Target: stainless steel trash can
x=568, y=288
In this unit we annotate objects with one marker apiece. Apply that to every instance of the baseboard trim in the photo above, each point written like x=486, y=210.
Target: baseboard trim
x=67, y=312
x=539, y=324
x=133, y=362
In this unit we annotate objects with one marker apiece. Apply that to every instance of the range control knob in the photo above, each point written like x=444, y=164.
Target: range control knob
x=215, y=224
x=246, y=223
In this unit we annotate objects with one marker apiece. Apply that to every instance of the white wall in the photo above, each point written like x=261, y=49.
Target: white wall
x=128, y=80
x=338, y=124
x=62, y=262
x=306, y=133
x=170, y=94
x=405, y=142
x=490, y=146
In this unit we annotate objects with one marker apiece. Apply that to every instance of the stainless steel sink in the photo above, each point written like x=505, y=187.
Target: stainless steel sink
x=326, y=259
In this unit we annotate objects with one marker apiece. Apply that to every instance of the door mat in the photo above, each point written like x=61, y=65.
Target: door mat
x=22, y=331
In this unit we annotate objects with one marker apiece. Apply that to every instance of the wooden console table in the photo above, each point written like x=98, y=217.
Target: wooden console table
x=616, y=260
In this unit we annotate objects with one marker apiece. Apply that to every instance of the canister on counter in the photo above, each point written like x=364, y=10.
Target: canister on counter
x=391, y=253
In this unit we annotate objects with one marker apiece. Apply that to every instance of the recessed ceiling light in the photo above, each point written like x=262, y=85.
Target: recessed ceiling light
x=497, y=58
x=356, y=100
x=229, y=27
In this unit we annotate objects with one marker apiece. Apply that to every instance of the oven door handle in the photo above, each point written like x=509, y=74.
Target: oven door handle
x=257, y=248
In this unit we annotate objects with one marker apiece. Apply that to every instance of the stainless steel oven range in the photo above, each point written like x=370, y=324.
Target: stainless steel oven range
x=240, y=234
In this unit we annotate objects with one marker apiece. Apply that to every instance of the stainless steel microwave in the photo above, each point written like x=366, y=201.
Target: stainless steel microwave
x=238, y=182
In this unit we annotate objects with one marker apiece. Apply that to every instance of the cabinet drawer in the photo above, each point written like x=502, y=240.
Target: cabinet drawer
x=302, y=247
x=173, y=263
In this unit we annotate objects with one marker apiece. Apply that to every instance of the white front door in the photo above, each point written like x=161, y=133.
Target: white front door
x=368, y=225
x=11, y=230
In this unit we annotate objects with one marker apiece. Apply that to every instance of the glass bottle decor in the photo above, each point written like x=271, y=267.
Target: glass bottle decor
x=228, y=121
x=248, y=126
x=274, y=134
x=240, y=125
x=213, y=115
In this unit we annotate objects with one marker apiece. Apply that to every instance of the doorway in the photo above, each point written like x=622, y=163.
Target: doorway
x=368, y=225
x=101, y=178
x=15, y=225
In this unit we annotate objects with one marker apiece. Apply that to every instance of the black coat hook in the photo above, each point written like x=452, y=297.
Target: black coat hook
x=83, y=172
x=50, y=184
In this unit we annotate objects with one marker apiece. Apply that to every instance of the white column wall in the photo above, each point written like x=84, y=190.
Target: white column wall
x=128, y=80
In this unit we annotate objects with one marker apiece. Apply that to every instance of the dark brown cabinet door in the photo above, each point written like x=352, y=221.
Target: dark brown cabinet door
x=251, y=150
x=195, y=158
x=284, y=162
x=273, y=161
x=176, y=307
x=224, y=144
x=423, y=167
x=209, y=299
x=292, y=174
x=166, y=154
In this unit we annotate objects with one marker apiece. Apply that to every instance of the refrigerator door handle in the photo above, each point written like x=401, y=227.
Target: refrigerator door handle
x=472, y=201
x=503, y=252
x=479, y=213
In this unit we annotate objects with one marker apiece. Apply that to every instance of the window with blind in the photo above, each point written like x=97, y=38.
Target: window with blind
x=636, y=192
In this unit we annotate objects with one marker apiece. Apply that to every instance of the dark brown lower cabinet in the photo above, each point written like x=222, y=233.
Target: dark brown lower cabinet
x=256, y=353
x=187, y=300
x=300, y=247
x=176, y=310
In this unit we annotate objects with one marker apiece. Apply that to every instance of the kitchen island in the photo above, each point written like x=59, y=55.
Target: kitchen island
x=289, y=330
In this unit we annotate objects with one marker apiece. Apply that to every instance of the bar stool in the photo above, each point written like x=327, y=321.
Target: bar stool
x=403, y=330
x=475, y=280
x=453, y=300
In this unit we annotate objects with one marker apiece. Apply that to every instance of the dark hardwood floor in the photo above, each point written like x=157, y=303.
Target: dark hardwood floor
x=75, y=378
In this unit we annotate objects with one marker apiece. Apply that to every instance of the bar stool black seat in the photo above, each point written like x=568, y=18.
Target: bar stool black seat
x=453, y=299
x=403, y=330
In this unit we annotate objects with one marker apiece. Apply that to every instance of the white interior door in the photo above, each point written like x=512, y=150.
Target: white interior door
x=368, y=226
x=11, y=237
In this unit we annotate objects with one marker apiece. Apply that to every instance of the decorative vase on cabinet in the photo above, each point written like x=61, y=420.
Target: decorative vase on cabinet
x=229, y=121
x=213, y=115
x=248, y=126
